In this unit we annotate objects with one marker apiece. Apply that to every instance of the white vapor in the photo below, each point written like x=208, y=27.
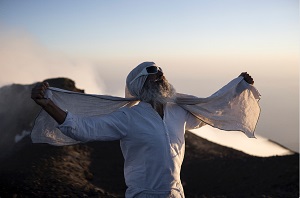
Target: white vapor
x=24, y=60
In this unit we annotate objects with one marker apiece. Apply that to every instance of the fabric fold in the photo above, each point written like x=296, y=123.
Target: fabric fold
x=234, y=108
x=45, y=127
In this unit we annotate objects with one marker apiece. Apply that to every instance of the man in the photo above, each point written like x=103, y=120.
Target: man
x=151, y=133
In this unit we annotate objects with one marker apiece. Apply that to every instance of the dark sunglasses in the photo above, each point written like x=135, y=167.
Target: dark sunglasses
x=146, y=71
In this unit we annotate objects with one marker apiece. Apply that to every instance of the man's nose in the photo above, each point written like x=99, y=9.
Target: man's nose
x=160, y=73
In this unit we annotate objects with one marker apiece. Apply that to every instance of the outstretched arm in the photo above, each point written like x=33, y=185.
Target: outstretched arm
x=247, y=78
x=38, y=95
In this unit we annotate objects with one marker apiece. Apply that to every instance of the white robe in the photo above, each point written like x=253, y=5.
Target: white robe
x=153, y=148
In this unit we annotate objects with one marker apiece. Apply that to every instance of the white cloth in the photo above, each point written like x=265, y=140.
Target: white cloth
x=153, y=148
x=45, y=127
x=233, y=107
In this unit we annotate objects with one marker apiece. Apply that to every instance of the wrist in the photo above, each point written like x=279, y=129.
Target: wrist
x=47, y=103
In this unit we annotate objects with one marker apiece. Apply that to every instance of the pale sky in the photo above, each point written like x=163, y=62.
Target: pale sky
x=201, y=45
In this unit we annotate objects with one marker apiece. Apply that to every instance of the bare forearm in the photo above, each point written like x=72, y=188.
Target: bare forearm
x=38, y=95
x=54, y=111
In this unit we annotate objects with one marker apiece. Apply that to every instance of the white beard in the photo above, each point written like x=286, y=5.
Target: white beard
x=159, y=92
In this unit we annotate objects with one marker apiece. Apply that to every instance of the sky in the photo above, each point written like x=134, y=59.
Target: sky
x=200, y=44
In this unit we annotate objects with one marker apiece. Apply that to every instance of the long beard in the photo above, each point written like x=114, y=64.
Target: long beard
x=159, y=92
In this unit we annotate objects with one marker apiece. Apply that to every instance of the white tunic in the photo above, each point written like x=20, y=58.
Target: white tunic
x=153, y=148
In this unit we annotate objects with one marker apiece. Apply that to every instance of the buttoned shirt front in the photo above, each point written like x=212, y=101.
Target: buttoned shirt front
x=153, y=148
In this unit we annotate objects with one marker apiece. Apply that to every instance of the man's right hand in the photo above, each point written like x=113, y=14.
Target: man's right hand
x=38, y=94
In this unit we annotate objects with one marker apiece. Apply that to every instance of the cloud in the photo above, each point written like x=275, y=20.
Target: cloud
x=258, y=146
x=24, y=60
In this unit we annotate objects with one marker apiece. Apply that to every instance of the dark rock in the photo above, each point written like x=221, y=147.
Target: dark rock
x=63, y=83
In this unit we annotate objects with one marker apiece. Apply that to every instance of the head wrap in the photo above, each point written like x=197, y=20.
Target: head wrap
x=136, y=86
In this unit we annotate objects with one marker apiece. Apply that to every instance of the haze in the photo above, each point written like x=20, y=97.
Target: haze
x=201, y=45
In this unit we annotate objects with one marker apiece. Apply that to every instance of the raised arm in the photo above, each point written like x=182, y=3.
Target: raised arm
x=38, y=95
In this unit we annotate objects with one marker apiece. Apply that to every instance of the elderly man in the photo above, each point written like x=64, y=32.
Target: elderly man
x=151, y=133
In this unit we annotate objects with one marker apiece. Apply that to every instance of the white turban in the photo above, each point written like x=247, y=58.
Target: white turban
x=134, y=88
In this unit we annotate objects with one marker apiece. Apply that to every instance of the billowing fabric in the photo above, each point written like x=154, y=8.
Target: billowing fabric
x=153, y=148
x=45, y=127
x=233, y=107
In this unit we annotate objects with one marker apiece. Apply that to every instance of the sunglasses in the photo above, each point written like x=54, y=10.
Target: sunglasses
x=146, y=71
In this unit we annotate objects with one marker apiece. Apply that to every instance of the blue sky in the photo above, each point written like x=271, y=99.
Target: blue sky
x=201, y=46
x=156, y=27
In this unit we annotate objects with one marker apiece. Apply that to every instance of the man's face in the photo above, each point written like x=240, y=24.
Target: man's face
x=156, y=78
x=158, y=83
x=157, y=88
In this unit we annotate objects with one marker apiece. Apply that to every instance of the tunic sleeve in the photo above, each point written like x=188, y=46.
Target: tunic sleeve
x=104, y=128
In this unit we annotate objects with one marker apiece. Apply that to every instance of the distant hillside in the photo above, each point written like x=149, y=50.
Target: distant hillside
x=18, y=111
x=96, y=169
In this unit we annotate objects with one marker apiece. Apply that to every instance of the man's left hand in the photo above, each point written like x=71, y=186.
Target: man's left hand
x=247, y=78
